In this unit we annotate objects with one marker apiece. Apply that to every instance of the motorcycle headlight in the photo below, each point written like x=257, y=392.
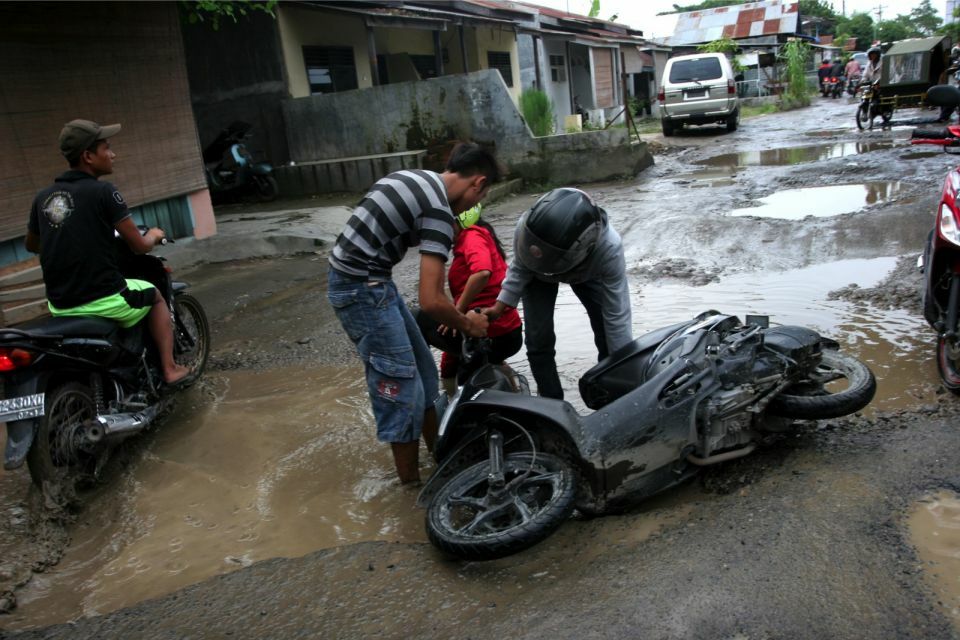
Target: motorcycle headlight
x=948, y=225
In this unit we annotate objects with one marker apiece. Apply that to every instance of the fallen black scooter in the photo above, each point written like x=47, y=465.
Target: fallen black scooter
x=75, y=387
x=512, y=468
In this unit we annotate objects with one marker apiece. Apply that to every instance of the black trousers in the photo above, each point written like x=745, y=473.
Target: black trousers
x=539, y=300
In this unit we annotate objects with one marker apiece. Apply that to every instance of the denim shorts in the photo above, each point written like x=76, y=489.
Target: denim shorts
x=400, y=370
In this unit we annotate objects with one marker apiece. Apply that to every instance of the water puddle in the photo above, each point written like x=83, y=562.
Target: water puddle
x=934, y=525
x=254, y=466
x=894, y=343
x=917, y=155
x=825, y=133
x=820, y=202
x=794, y=155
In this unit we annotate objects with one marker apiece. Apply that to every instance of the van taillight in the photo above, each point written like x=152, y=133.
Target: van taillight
x=11, y=359
x=661, y=97
x=731, y=87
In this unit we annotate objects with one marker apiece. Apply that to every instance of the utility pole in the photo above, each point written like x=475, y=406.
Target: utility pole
x=876, y=27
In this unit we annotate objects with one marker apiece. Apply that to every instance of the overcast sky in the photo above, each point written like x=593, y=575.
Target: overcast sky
x=642, y=14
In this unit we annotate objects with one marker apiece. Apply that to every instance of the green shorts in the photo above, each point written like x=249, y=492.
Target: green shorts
x=128, y=307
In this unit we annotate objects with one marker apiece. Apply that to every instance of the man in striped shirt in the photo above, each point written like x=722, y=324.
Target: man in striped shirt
x=405, y=209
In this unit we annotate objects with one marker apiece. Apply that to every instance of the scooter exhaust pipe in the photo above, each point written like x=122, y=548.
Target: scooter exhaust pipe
x=118, y=426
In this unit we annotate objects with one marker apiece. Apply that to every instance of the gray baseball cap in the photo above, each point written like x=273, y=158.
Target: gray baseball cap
x=79, y=135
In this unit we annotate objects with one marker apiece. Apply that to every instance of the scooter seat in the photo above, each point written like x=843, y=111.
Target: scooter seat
x=73, y=326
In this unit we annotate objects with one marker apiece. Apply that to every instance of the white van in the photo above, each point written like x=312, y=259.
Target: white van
x=698, y=89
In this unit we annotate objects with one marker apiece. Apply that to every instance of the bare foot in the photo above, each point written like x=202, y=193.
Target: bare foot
x=176, y=374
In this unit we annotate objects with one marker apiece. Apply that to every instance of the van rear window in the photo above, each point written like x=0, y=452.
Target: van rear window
x=698, y=69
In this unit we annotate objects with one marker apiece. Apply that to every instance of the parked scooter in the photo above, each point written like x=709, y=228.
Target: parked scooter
x=940, y=262
x=512, y=468
x=75, y=387
x=231, y=170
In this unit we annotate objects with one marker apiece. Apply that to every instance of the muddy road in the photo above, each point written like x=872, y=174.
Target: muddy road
x=264, y=507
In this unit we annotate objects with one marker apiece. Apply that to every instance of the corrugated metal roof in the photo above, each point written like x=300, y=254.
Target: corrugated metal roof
x=770, y=17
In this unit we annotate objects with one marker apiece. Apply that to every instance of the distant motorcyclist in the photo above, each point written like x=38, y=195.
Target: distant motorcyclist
x=836, y=75
x=823, y=73
x=871, y=75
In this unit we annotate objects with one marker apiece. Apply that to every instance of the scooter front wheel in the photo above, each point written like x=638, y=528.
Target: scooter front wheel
x=473, y=519
x=266, y=187
x=948, y=364
x=863, y=116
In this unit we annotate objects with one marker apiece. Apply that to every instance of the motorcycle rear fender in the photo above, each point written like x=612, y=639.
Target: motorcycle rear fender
x=20, y=433
x=179, y=287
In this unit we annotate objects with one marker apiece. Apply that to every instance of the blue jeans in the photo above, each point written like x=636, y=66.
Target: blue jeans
x=400, y=370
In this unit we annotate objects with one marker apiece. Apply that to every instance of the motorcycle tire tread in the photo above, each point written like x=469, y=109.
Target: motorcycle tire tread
x=859, y=393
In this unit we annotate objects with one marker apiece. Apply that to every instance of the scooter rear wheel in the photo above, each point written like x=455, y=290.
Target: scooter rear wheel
x=58, y=464
x=266, y=187
x=948, y=364
x=470, y=519
x=813, y=399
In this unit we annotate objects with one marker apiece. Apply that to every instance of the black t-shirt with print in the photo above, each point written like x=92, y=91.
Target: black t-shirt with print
x=75, y=219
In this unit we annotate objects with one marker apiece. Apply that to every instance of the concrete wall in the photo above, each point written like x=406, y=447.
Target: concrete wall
x=231, y=80
x=424, y=115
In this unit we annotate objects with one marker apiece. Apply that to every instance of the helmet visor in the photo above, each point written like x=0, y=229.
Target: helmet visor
x=542, y=257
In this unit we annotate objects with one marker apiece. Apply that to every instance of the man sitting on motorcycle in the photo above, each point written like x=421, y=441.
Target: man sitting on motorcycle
x=871, y=75
x=72, y=227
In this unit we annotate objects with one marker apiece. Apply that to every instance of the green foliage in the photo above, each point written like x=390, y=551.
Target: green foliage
x=727, y=46
x=859, y=26
x=795, y=55
x=952, y=29
x=594, y=9
x=817, y=8
x=537, y=110
x=893, y=30
x=213, y=11
x=924, y=19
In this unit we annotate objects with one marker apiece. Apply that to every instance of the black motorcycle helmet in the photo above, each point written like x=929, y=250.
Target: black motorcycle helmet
x=872, y=50
x=558, y=232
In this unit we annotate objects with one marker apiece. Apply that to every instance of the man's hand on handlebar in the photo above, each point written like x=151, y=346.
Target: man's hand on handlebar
x=478, y=324
x=156, y=235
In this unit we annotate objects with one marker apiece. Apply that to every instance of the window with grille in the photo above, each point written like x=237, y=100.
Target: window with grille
x=500, y=60
x=558, y=69
x=330, y=69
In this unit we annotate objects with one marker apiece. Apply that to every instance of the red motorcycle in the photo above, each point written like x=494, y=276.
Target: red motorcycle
x=940, y=262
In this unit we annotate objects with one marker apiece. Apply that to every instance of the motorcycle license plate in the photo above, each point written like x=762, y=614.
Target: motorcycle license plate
x=21, y=408
x=696, y=93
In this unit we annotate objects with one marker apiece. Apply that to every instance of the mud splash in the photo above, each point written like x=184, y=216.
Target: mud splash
x=934, y=525
x=819, y=202
x=254, y=465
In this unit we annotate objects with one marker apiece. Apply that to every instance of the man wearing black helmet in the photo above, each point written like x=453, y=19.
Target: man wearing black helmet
x=565, y=237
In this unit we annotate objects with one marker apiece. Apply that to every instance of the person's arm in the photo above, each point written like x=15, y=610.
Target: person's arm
x=435, y=303
x=615, y=305
x=139, y=244
x=476, y=283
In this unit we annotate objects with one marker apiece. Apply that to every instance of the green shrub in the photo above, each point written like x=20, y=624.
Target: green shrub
x=795, y=55
x=537, y=110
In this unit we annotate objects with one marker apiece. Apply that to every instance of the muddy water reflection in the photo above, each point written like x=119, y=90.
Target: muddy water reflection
x=796, y=204
x=253, y=466
x=794, y=155
x=935, y=532
x=895, y=343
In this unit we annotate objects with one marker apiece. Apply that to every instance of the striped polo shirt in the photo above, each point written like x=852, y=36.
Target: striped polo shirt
x=402, y=210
